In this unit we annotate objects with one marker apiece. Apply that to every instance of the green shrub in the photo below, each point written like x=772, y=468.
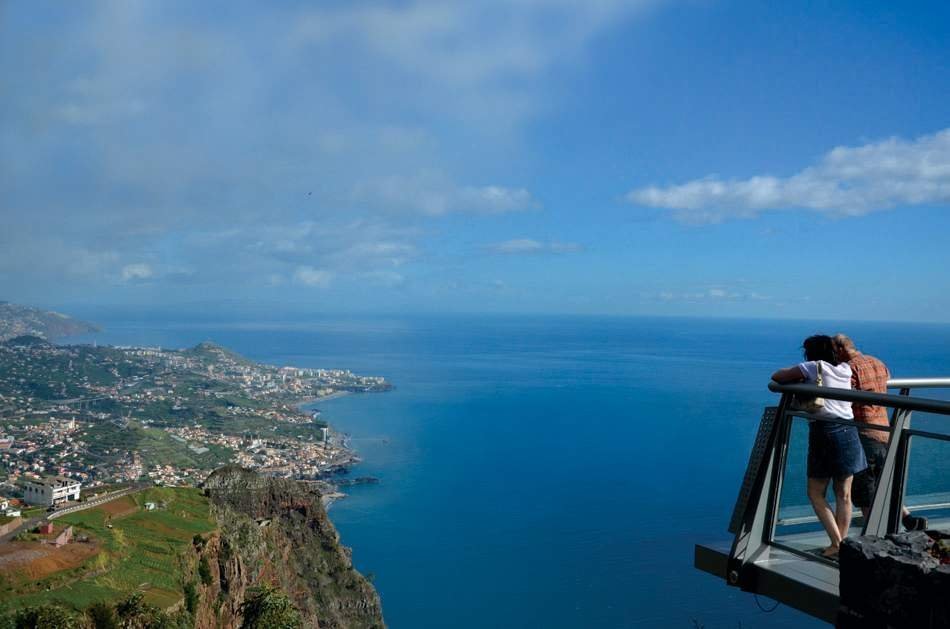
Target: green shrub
x=46, y=617
x=204, y=571
x=269, y=608
x=191, y=597
x=102, y=616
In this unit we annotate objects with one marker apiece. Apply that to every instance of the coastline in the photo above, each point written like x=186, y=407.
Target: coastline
x=333, y=396
x=338, y=440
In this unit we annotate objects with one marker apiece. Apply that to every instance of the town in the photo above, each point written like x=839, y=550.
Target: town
x=90, y=417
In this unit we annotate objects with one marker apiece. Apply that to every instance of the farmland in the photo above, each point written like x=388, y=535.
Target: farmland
x=128, y=549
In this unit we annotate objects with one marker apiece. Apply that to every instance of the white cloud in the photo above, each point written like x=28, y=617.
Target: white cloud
x=847, y=181
x=385, y=278
x=708, y=294
x=496, y=199
x=529, y=245
x=309, y=276
x=137, y=271
x=92, y=113
x=266, y=121
x=433, y=194
x=470, y=60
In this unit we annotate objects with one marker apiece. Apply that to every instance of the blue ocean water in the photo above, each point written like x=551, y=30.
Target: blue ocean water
x=548, y=471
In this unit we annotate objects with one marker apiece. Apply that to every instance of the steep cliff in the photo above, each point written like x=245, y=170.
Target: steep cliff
x=276, y=532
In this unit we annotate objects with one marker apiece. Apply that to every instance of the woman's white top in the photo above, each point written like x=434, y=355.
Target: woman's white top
x=834, y=376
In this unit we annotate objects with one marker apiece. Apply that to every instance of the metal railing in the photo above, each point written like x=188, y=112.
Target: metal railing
x=748, y=563
x=901, y=432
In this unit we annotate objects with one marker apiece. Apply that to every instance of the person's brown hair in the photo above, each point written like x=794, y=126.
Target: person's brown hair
x=843, y=344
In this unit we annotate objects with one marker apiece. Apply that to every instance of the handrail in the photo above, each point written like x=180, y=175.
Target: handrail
x=910, y=403
x=759, y=561
x=918, y=383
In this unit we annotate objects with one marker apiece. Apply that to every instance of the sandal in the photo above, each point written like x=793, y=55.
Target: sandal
x=830, y=553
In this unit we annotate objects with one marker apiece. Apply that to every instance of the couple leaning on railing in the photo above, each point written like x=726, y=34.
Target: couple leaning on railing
x=838, y=453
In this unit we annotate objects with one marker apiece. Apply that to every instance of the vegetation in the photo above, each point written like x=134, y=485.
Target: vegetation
x=269, y=608
x=143, y=551
x=157, y=569
x=43, y=617
x=103, y=616
x=204, y=571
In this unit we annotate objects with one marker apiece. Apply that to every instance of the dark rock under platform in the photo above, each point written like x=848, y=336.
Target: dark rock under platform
x=899, y=581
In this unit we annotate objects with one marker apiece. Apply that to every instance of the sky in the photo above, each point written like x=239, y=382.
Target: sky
x=645, y=157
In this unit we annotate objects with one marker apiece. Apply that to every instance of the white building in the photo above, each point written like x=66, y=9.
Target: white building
x=50, y=491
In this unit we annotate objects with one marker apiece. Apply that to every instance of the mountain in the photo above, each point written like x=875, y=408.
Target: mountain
x=17, y=320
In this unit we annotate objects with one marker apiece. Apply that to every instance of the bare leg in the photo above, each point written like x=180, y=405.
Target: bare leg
x=817, y=489
x=843, y=504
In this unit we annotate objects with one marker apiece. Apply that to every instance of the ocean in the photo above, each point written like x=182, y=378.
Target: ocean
x=548, y=471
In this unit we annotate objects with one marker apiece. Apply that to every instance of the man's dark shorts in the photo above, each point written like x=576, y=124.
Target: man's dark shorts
x=864, y=483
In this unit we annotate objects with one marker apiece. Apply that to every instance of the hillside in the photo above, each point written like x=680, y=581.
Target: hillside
x=232, y=555
x=16, y=320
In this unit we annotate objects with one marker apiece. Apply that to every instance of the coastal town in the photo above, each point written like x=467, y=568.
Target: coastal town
x=91, y=417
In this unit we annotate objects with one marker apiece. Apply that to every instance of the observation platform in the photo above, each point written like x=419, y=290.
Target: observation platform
x=777, y=540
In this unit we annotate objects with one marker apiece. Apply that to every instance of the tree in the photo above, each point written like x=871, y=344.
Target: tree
x=135, y=613
x=191, y=597
x=204, y=571
x=46, y=617
x=103, y=616
x=269, y=608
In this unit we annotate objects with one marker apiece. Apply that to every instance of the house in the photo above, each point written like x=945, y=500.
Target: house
x=150, y=506
x=50, y=491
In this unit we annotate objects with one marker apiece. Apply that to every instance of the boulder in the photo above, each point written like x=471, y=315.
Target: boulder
x=899, y=581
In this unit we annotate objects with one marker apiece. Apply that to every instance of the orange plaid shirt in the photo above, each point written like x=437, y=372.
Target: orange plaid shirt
x=870, y=374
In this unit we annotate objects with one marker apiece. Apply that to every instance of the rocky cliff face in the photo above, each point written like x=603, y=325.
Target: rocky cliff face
x=276, y=532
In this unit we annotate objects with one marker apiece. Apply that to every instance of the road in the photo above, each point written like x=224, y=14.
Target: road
x=31, y=523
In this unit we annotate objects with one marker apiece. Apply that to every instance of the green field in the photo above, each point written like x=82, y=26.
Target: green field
x=144, y=550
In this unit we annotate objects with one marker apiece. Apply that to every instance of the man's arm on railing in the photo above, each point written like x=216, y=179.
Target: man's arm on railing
x=911, y=403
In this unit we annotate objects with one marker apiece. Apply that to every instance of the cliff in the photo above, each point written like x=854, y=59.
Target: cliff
x=244, y=552
x=276, y=532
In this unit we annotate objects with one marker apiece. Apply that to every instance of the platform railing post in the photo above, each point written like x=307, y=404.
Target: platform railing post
x=753, y=516
x=889, y=495
x=899, y=483
x=780, y=456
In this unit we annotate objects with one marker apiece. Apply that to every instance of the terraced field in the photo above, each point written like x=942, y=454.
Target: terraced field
x=138, y=550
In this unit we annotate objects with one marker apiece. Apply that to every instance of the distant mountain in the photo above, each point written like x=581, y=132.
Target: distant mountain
x=17, y=320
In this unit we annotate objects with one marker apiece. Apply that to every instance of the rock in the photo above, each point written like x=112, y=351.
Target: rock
x=298, y=550
x=893, y=582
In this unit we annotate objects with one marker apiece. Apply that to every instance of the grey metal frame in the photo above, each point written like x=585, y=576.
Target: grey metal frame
x=755, y=561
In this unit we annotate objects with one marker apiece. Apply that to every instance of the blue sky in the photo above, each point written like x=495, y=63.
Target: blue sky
x=675, y=158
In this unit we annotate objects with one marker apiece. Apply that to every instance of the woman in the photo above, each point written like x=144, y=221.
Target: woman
x=834, y=450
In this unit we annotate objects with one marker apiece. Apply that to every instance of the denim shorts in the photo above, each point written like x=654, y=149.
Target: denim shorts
x=834, y=451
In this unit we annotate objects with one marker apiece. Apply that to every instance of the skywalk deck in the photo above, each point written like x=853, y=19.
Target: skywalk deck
x=775, y=551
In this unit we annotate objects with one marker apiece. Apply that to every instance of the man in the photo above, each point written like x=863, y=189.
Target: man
x=870, y=374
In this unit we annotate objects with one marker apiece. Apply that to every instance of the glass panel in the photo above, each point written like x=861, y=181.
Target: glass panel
x=797, y=526
x=927, y=488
